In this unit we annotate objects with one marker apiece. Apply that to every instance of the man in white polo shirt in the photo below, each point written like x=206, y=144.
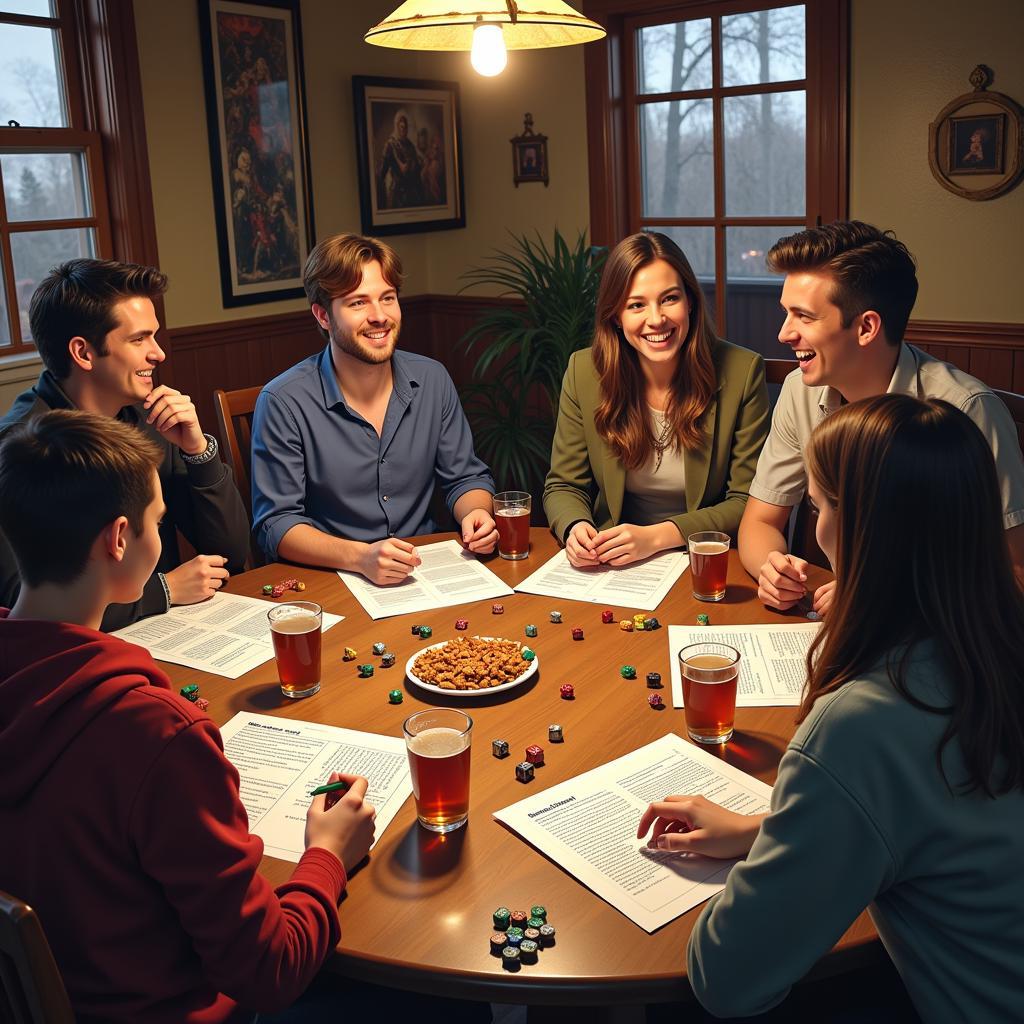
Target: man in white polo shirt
x=847, y=296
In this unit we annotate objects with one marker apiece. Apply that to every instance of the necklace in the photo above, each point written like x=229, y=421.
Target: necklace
x=661, y=443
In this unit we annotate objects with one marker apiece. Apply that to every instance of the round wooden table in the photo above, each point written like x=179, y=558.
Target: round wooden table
x=417, y=915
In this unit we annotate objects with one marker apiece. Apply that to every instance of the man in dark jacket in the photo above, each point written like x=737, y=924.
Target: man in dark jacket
x=95, y=326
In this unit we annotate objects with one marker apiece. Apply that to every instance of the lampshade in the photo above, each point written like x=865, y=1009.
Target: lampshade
x=449, y=24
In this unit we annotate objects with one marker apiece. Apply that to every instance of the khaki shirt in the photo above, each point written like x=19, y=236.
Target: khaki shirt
x=782, y=480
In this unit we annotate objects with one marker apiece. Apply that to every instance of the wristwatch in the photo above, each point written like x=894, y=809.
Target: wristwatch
x=210, y=453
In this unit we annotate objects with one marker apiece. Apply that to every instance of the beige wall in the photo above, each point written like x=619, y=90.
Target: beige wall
x=549, y=84
x=909, y=59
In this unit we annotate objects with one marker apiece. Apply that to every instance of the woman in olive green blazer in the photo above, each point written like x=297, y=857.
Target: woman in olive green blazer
x=657, y=398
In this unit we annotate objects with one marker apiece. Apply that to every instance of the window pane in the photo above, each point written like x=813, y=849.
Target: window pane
x=44, y=186
x=698, y=245
x=31, y=85
x=36, y=252
x=677, y=162
x=765, y=154
x=763, y=46
x=673, y=58
x=35, y=8
x=5, y=326
x=752, y=293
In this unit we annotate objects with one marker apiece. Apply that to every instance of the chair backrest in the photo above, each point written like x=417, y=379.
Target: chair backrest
x=234, y=416
x=777, y=370
x=1015, y=403
x=31, y=988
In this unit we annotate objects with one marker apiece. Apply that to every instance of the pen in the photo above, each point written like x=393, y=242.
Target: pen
x=331, y=787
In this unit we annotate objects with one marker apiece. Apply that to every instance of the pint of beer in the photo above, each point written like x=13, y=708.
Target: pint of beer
x=295, y=629
x=709, y=675
x=512, y=517
x=709, y=564
x=438, y=744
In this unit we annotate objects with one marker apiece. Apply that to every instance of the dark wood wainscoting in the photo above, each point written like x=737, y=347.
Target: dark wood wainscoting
x=244, y=353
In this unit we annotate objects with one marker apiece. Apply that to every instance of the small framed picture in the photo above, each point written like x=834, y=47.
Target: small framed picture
x=977, y=144
x=409, y=146
x=529, y=155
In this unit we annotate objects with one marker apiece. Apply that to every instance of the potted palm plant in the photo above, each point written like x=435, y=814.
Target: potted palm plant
x=523, y=350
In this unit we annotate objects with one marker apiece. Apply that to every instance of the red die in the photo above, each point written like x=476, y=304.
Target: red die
x=607, y=615
x=497, y=609
x=462, y=623
x=202, y=703
x=567, y=691
x=655, y=700
x=535, y=754
x=577, y=632
x=278, y=590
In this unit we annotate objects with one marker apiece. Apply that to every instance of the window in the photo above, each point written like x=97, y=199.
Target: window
x=723, y=140
x=52, y=191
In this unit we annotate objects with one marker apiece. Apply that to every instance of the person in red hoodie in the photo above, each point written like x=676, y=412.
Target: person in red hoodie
x=121, y=820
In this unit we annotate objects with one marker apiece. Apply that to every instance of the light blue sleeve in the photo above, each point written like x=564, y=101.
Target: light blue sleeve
x=817, y=862
x=457, y=467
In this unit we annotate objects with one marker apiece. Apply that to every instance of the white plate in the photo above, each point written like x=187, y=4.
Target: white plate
x=531, y=670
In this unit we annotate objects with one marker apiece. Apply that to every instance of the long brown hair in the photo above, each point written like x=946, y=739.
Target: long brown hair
x=921, y=555
x=621, y=416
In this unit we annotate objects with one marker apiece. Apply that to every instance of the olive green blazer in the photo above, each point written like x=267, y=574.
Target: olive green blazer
x=586, y=481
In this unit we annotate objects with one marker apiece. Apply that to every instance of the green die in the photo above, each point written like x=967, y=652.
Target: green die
x=425, y=632
x=703, y=619
x=190, y=692
x=365, y=671
x=395, y=697
x=628, y=672
x=528, y=654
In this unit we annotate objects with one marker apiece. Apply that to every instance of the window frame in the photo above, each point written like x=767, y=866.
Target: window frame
x=103, y=93
x=613, y=131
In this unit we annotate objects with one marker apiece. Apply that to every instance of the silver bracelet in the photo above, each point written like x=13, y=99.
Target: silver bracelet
x=210, y=453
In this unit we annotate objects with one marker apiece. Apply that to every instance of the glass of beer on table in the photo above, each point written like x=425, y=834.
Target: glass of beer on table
x=709, y=673
x=709, y=564
x=437, y=741
x=295, y=628
x=512, y=517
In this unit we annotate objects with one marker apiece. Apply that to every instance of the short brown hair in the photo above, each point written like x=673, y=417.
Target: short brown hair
x=63, y=477
x=335, y=267
x=871, y=269
x=77, y=299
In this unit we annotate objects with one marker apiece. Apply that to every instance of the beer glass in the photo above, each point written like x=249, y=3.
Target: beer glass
x=295, y=628
x=437, y=741
x=709, y=673
x=512, y=517
x=709, y=564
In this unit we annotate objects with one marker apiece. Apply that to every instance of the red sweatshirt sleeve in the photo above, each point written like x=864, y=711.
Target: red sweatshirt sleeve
x=191, y=832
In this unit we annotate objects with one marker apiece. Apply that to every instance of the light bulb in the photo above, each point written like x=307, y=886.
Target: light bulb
x=488, y=55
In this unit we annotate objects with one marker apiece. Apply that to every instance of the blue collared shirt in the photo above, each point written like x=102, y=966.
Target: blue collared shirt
x=317, y=461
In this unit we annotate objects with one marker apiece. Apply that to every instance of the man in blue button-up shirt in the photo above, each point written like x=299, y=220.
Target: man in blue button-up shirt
x=348, y=444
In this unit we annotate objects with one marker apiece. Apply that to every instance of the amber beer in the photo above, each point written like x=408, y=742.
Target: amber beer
x=296, y=630
x=512, y=517
x=438, y=744
x=710, y=672
x=709, y=564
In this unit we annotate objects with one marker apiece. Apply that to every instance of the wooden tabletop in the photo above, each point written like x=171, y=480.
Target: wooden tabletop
x=418, y=914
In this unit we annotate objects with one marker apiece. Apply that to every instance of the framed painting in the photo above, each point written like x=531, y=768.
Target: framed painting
x=409, y=148
x=259, y=156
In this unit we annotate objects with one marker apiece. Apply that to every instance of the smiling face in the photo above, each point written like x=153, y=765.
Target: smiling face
x=828, y=352
x=655, y=318
x=365, y=323
x=124, y=373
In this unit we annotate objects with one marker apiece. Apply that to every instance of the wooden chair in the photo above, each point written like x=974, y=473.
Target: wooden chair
x=31, y=988
x=1015, y=403
x=234, y=417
